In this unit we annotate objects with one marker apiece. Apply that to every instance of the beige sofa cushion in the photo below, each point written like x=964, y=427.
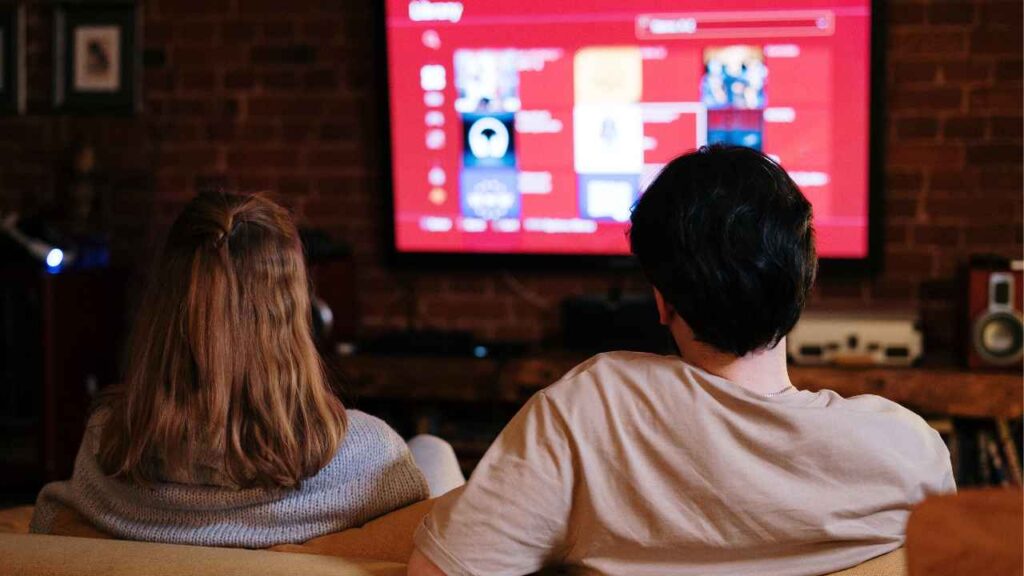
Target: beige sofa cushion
x=892, y=564
x=37, y=555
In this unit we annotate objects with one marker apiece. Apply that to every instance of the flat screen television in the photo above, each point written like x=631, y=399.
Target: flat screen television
x=525, y=131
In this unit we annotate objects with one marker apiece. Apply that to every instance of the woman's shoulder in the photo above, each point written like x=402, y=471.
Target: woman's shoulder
x=369, y=436
x=371, y=451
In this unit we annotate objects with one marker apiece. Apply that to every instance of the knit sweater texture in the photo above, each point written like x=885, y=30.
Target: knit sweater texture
x=373, y=473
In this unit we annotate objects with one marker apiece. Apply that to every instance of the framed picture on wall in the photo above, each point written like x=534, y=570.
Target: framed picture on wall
x=11, y=59
x=97, y=59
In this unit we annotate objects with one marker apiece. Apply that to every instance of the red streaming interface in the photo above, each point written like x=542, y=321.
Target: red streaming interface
x=533, y=127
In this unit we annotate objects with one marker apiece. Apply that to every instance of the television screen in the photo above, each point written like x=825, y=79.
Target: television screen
x=532, y=127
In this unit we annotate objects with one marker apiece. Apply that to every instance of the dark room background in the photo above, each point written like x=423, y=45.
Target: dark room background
x=280, y=96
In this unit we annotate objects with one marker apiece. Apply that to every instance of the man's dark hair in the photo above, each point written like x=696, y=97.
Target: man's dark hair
x=725, y=235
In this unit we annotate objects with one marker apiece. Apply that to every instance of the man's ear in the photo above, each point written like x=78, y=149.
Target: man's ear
x=665, y=310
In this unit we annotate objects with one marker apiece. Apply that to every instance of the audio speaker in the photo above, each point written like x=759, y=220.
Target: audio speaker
x=995, y=333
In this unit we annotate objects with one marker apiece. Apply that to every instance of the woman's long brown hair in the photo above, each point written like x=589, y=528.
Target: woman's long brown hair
x=221, y=359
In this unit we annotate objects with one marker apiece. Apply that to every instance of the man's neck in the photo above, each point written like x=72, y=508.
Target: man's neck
x=762, y=372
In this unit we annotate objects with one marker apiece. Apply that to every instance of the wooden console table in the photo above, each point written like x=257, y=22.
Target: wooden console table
x=469, y=400
x=932, y=391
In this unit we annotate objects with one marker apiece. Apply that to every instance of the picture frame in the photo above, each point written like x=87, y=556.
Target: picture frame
x=12, y=59
x=97, y=67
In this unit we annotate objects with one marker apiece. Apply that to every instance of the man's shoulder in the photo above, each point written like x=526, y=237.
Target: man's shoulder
x=614, y=373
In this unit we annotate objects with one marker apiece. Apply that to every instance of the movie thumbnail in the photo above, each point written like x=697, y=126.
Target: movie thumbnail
x=486, y=81
x=489, y=193
x=608, y=139
x=734, y=78
x=488, y=140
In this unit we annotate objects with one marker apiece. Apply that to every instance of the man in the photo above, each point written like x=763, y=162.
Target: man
x=710, y=462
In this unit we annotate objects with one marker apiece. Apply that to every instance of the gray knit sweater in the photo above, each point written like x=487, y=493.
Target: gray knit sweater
x=372, y=474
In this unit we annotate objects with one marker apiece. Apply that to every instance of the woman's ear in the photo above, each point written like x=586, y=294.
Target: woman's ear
x=665, y=310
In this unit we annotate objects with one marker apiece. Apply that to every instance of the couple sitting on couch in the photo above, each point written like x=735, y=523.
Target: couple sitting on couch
x=225, y=432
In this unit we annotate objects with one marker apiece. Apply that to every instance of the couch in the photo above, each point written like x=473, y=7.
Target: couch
x=379, y=548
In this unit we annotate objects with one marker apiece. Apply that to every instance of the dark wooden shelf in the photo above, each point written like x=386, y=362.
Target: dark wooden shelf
x=945, y=391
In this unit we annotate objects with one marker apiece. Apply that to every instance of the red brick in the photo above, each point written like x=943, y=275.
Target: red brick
x=204, y=157
x=286, y=106
x=237, y=32
x=197, y=32
x=275, y=7
x=911, y=180
x=294, y=54
x=927, y=42
x=1009, y=69
x=259, y=131
x=1009, y=127
x=926, y=99
x=159, y=33
x=255, y=183
x=950, y=13
x=932, y=235
x=949, y=154
x=239, y=79
x=179, y=106
x=995, y=153
x=158, y=81
x=969, y=71
x=963, y=128
x=320, y=80
x=202, y=80
x=178, y=132
x=213, y=181
x=465, y=307
x=989, y=234
x=278, y=30
x=905, y=72
x=177, y=7
x=1006, y=178
x=943, y=290
x=293, y=185
x=897, y=234
x=996, y=99
x=900, y=208
x=1001, y=13
x=917, y=128
x=968, y=209
x=898, y=289
x=337, y=157
x=958, y=181
x=905, y=13
x=338, y=131
x=996, y=41
x=257, y=158
x=908, y=262
x=280, y=79
x=322, y=30
x=295, y=132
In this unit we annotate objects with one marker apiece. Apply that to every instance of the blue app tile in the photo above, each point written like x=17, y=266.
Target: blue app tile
x=489, y=193
x=608, y=197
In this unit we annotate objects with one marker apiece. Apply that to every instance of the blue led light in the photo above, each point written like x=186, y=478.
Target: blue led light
x=54, y=257
x=480, y=351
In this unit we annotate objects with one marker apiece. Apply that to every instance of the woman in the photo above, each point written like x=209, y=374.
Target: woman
x=224, y=431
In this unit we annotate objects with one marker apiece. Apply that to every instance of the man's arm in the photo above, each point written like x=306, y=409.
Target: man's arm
x=420, y=565
x=512, y=517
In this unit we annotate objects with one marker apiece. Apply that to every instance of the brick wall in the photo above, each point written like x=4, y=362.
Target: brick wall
x=239, y=94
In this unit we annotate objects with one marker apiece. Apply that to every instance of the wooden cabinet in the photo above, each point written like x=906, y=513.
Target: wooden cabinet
x=468, y=400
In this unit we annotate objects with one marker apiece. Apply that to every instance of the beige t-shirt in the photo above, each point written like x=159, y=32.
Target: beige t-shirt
x=641, y=464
